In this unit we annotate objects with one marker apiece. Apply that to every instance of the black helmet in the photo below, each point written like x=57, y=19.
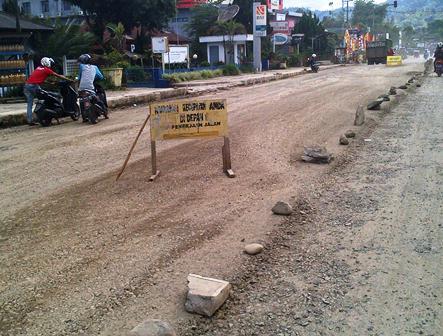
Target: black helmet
x=84, y=59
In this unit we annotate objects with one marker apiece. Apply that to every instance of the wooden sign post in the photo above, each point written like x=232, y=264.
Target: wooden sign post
x=190, y=119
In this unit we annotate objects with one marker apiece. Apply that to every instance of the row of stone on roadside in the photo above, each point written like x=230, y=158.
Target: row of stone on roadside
x=205, y=295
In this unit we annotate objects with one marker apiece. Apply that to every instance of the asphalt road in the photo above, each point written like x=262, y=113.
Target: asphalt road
x=81, y=254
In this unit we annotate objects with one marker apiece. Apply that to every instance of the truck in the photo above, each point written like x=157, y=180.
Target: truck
x=377, y=51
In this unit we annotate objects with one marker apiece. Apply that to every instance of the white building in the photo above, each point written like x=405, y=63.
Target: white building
x=219, y=47
x=48, y=8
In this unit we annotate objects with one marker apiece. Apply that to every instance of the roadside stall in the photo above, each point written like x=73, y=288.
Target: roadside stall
x=15, y=65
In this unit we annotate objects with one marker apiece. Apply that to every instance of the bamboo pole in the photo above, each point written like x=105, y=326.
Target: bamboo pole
x=132, y=148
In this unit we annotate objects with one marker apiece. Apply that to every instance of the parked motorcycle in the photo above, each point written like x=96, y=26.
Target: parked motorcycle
x=53, y=105
x=439, y=67
x=93, y=104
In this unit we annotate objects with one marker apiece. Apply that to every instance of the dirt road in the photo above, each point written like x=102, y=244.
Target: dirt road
x=81, y=254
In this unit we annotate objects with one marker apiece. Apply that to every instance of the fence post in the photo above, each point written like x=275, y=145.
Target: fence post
x=65, y=66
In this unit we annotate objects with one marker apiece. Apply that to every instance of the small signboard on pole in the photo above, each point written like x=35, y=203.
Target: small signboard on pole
x=160, y=45
x=177, y=54
x=394, y=61
x=190, y=119
x=260, y=21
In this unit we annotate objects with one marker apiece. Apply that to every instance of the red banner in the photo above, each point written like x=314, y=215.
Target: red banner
x=190, y=3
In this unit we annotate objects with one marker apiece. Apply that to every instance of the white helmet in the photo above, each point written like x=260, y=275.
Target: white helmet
x=440, y=44
x=314, y=55
x=47, y=62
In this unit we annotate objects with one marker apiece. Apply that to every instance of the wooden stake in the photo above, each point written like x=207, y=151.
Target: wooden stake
x=132, y=148
x=154, y=171
x=226, y=153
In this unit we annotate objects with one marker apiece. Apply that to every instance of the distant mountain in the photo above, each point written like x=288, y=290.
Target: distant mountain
x=416, y=13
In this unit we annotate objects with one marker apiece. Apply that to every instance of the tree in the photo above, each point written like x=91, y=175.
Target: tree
x=368, y=14
x=244, y=15
x=202, y=20
x=228, y=28
x=314, y=31
x=67, y=40
x=118, y=35
x=435, y=29
x=152, y=14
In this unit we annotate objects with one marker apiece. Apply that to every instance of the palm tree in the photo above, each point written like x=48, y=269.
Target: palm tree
x=67, y=40
x=228, y=28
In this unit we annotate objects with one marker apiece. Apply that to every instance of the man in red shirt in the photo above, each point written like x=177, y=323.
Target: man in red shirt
x=38, y=77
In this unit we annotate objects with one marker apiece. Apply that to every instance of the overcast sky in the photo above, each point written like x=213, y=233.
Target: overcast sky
x=316, y=4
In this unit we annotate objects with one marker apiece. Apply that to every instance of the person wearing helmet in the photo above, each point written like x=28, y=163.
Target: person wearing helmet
x=438, y=54
x=88, y=73
x=38, y=77
x=312, y=61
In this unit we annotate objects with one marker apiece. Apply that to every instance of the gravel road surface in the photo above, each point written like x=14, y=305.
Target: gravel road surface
x=81, y=254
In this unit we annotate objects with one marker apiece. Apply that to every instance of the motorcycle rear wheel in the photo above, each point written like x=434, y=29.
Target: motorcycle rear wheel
x=92, y=115
x=76, y=115
x=45, y=122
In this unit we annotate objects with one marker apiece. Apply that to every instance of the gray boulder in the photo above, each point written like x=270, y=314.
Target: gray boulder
x=316, y=154
x=350, y=134
x=282, y=208
x=253, y=249
x=343, y=140
x=359, y=116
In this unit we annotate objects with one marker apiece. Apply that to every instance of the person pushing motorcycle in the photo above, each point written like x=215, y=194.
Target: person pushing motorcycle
x=87, y=75
x=38, y=77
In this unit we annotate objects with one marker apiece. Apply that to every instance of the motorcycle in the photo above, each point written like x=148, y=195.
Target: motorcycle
x=93, y=104
x=315, y=67
x=53, y=105
x=439, y=67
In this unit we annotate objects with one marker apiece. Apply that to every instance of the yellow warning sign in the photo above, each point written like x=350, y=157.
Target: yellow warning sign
x=393, y=61
x=189, y=119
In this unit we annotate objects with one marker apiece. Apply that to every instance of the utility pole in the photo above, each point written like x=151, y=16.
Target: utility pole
x=347, y=10
x=257, y=37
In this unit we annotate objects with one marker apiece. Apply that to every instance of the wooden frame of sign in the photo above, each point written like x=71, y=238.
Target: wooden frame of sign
x=190, y=119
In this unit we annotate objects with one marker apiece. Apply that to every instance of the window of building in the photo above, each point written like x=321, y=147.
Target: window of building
x=67, y=6
x=26, y=8
x=45, y=6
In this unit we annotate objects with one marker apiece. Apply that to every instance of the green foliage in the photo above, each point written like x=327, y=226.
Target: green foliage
x=311, y=26
x=417, y=13
x=68, y=40
x=230, y=70
x=435, y=29
x=203, y=18
x=204, y=64
x=178, y=77
x=9, y=6
x=122, y=64
x=118, y=35
x=152, y=14
x=247, y=68
x=107, y=84
x=137, y=74
x=294, y=60
x=244, y=15
x=113, y=58
x=368, y=14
